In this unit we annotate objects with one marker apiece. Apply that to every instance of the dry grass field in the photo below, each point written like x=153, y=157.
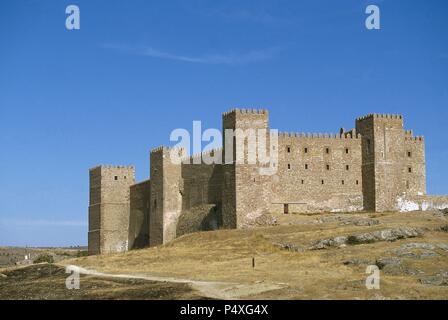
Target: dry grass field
x=218, y=264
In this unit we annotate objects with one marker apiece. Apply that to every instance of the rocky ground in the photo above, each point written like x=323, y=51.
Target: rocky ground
x=319, y=256
x=47, y=281
x=11, y=256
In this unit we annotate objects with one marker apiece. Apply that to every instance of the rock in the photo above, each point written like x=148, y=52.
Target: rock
x=443, y=246
x=390, y=261
x=347, y=220
x=416, y=250
x=290, y=247
x=356, y=261
x=3, y=275
x=330, y=242
x=257, y=219
x=381, y=235
x=366, y=222
x=390, y=265
x=440, y=279
x=418, y=245
x=428, y=254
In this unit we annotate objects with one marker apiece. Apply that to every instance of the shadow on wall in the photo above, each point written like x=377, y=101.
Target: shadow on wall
x=204, y=217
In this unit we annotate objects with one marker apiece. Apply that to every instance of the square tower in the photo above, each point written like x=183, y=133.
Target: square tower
x=109, y=208
x=244, y=191
x=386, y=169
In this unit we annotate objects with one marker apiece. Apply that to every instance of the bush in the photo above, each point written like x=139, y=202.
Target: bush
x=44, y=258
x=444, y=228
x=353, y=240
x=82, y=253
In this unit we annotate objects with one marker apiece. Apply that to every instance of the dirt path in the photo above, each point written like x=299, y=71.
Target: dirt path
x=210, y=289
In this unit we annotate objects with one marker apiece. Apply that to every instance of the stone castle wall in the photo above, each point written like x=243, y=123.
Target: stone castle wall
x=140, y=195
x=109, y=208
x=318, y=173
x=377, y=166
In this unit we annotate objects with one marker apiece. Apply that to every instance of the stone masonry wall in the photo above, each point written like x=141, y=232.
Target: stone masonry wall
x=139, y=215
x=110, y=186
x=318, y=173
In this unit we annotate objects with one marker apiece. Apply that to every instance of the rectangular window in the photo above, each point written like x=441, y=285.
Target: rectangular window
x=322, y=181
x=328, y=167
x=306, y=150
x=409, y=169
x=346, y=150
x=289, y=166
x=306, y=166
x=357, y=182
x=327, y=150
x=116, y=177
x=347, y=167
x=288, y=149
x=303, y=181
x=409, y=154
x=343, y=182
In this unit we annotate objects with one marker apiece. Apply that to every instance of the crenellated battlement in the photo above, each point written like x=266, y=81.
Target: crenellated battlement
x=245, y=111
x=380, y=115
x=200, y=155
x=416, y=138
x=320, y=136
x=109, y=166
x=166, y=148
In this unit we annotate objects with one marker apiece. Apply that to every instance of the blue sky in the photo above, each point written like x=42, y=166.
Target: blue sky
x=136, y=70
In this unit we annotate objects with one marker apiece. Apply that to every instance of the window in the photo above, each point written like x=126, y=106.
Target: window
x=343, y=181
x=124, y=177
x=327, y=150
x=410, y=170
x=346, y=150
x=347, y=167
x=322, y=181
x=289, y=166
x=357, y=182
x=409, y=154
x=288, y=149
x=303, y=181
x=306, y=150
x=328, y=167
x=116, y=177
x=306, y=166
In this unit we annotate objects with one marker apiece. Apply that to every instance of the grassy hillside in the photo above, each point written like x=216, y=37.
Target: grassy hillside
x=287, y=267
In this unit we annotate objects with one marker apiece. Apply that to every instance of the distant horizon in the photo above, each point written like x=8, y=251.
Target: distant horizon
x=109, y=92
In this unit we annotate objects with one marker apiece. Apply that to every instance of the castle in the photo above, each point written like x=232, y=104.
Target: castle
x=376, y=166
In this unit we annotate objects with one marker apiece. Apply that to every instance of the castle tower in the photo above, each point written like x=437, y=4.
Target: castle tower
x=109, y=204
x=165, y=196
x=244, y=190
x=388, y=161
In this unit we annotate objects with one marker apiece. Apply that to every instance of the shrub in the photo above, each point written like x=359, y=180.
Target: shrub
x=44, y=258
x=82, y=253
x=353, y=240
x=444, y=228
